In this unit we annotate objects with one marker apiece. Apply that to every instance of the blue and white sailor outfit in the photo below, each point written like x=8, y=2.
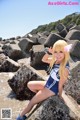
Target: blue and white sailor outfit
x=53, y=81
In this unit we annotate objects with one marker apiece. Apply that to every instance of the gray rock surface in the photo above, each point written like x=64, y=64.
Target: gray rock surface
x=34, y=38
x=25, y=44
x=76, y=27
x=72, y=86
x=7, y=64
x=63, y=33
x=42, y=40
x=37, y=53
x=51, y=39
x=60, y=27
x=13, y=51
x=71, y=26
x=73, y=35
x=74, y=52
x=19, y=82
x=51, y=109
x=61, y=30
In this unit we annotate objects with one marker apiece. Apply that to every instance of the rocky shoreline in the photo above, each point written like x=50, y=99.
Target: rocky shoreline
x=20, y=62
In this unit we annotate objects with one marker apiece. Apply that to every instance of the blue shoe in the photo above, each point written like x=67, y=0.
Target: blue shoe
x=21, y=118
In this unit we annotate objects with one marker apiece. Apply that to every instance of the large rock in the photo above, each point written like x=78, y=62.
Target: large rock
x=60, y=27
x=25, y=44
x=51, y=109
x=13, y=51
x=63, y=33
x=18, y=37
x=12, y=38
x=42, y=40
x=51, y=39
x=71, y=26
x=43, y=34
x=19, y=82
x=37, y=53
x=74, y=52
x=61, y=30
x=8, y=65
x=76, y=27
x=72, y=87
x=34, y=38
x=73, y=35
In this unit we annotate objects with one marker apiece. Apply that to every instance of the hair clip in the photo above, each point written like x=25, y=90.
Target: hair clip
x=68, y=47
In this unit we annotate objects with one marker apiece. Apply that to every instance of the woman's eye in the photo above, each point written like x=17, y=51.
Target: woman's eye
x=61, y=51
x=55, y=51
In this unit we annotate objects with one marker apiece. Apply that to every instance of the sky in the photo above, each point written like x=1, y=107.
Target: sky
x=19, y=17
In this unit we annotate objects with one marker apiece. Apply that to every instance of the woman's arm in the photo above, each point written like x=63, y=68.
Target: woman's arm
x=46, y=58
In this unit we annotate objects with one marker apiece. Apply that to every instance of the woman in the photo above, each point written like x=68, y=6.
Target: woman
x=57, y=78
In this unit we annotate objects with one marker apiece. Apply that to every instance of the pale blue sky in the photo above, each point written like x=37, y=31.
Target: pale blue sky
x=19, y=17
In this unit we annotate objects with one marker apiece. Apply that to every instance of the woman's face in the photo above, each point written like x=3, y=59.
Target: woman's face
x=59, y=55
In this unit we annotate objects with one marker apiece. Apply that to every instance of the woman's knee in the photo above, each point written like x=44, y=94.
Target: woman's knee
x=29, y=84
x=36, y=85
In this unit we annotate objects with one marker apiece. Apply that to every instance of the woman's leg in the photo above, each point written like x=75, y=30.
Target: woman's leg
x=40, y=96
x=35, y=86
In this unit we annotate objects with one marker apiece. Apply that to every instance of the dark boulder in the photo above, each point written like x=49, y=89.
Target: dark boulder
x=51, y=39
x=42, y=40
x=63, y=33
x=60, y=27
x=8, y=65
x=25, y=44
x=51, y=109
x=34, y=38
x=76, y=27
x=18, y=37
x=61, y=30
x=12, y=38
x=19, y=82
x=43, y=34
x=73, y=35
x=74, y=52
x=36, y=53
x=72, y=86
x=71, y=26
x=13, y=51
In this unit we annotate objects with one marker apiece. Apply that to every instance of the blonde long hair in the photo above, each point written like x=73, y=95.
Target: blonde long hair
x=59, y=46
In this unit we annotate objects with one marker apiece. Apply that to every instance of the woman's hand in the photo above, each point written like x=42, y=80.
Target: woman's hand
x=50, y=50
x=46, y=58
